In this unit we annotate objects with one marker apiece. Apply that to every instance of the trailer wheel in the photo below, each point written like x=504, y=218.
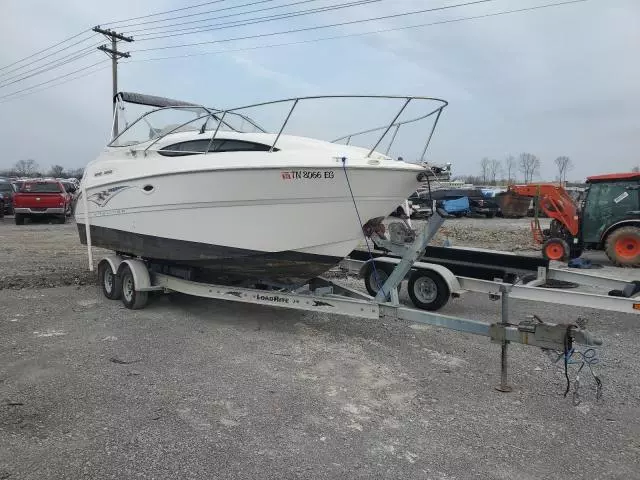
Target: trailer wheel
x=375, y=278
x=110, y=282
x=131, y=298
x=555, y=249
x=623, y=246
x=428, y=290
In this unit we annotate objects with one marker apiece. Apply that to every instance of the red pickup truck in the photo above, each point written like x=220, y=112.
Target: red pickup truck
x=41, y=198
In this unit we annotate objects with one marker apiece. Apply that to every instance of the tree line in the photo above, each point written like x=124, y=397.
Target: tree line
x=30, y=168
x=494, y=171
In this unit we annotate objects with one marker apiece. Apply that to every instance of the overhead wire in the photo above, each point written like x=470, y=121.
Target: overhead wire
x=46, y=67
x=2, y=74
x=359, y=34
x=35, y=88
x=268, y=18
x=319, y=27
x=121, y=27
x=165, y=12
x=53, y=79
x=64, y=82
x=44, y=49
x=218, y=17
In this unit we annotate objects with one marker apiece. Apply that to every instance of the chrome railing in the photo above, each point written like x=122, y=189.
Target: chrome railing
x=220, y=115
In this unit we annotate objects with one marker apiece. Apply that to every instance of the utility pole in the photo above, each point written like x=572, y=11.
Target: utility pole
x=114, y=54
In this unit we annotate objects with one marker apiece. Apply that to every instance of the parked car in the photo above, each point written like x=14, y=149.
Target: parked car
x=41, y=198
x=484, y=206
x=72, y=189
x=6, y=192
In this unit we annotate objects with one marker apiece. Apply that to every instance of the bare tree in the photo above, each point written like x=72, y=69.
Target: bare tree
x=484, y=169
x=509, y=167
x=529, y=165
x=77, y=173
x=26, y=168
x=636, y=169
x=56, y=171
x=564, y=164
x=494, y=170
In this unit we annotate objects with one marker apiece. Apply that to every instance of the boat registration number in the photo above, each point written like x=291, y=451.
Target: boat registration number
x=307, y=174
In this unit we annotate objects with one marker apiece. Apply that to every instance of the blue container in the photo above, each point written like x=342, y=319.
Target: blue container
x=456, y=205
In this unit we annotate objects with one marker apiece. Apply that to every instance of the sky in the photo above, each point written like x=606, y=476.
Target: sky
x=559, y=81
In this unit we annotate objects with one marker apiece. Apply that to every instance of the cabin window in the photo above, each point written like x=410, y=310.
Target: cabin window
x=194, y=147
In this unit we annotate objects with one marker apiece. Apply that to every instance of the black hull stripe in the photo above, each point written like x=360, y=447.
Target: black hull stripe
x=236, y=263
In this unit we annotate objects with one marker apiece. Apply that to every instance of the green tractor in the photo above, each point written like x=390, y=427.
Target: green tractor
x=608, y=218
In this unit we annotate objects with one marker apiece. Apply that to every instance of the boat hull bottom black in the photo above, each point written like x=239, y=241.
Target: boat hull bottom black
x=207, y=262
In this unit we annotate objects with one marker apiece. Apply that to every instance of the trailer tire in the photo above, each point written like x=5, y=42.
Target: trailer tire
x=110, y=282
x=375, y=278
x=428, y=290
x=131, y=298
x=623, y=246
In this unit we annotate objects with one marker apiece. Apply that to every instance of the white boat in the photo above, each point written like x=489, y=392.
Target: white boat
x=236, y=203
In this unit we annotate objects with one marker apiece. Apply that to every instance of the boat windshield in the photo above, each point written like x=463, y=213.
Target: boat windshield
x=158, y=116
x=158, y=123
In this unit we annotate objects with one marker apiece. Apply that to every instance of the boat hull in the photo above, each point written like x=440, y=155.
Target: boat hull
x=258, y=224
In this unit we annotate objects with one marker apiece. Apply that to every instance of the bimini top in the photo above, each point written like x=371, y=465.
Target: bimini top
x=612, y=177
x=152, y=100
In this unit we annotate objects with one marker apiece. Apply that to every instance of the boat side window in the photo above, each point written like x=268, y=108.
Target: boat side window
x=194, y=147
x=241, y=146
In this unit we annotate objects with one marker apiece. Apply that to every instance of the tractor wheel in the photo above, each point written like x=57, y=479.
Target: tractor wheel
x=555, y=249
x=623, y=247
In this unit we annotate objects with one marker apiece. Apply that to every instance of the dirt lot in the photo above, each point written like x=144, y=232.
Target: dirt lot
x=193, y=389
x=50, y=255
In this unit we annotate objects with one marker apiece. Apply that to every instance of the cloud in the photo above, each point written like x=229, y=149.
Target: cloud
x=559, y=81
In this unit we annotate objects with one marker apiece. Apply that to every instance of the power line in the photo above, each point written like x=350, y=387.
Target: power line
x=64, y=82
x=46, y=67
x=165, y=12
x=360, y=34
x=45, y=49
x=319, y=27
x=2, y=74
x=193, y=14
x=218, y=17
x=53, y=79
x=268, y=18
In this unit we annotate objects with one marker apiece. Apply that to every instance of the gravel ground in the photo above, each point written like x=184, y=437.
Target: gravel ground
x=50, y=255
x=196, y=389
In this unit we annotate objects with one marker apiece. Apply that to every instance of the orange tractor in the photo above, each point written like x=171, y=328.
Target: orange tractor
x=607, y=218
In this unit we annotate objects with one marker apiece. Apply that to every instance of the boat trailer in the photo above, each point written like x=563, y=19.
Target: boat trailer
x=132, y=279
x=441, y=273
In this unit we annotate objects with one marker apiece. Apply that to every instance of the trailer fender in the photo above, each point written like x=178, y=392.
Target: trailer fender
x=446, y=274
x=114, y=262
x=391, y=261
x=141, y=277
